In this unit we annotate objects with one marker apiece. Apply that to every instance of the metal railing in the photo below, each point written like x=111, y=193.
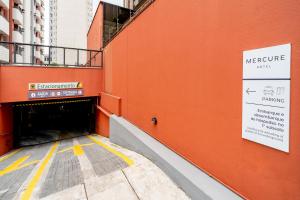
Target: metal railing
x=44, y=55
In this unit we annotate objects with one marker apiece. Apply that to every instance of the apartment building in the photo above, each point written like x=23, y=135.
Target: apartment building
x=4, y=29
x=34, y=12
x=17, y=29
x=22, y=21
x=69, y=24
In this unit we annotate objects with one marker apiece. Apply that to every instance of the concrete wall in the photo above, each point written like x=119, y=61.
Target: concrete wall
x=14, y=80
x=196, y=184
x=182, y=62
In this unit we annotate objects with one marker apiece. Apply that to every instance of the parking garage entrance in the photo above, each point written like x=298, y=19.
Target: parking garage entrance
x=47, y=121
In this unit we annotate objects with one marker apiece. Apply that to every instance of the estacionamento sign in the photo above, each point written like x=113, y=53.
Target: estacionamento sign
x=55, y=86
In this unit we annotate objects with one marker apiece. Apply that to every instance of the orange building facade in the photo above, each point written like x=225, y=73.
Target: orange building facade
x=182, y=63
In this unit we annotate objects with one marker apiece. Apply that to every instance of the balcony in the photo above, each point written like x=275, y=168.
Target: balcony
x=38, y=2
x=37, y=40
x=38, y=28
x=4, y=28
x=42, y=58
x=37, y=54
x=17, y=37
x=37, y=14
x=19, y=2
x=17, y=16
x=19, y=58
x=5, y=4
x=41, y=22
x=4, y=54
x=42, y=10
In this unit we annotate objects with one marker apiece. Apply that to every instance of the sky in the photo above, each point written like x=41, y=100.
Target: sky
x=95, y=5
x=116, y=2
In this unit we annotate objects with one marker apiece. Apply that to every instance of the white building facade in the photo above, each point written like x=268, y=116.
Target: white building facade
x=69, y=24
x=34, y=12
x=28, y=27
x=4, y=30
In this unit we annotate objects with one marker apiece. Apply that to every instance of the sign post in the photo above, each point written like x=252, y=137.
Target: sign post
x=266, y=96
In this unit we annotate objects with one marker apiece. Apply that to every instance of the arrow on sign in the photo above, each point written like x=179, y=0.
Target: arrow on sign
x=249, y=91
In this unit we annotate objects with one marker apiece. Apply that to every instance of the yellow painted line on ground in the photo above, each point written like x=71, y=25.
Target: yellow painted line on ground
x=110, y=149
x=66, y=149
x=17, y=165
x=28, y=164
x=89, y=144
x=34, y=181
x=78, y=151
x=14, y=166
x=10, y=155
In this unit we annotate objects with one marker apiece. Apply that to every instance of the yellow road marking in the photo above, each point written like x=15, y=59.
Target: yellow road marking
x=89, y=144
x=77, y=149
x=66, y=149
x=34, y=181
x=14, y=165
x=9, y=155
x=17, y=165
x=108, y=148
x=27, y=164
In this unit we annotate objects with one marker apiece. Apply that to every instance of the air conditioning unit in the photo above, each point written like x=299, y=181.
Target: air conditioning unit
x=23, y=10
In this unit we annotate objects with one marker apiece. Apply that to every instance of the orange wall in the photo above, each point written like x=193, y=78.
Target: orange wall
x=94, y=39
x=102, y=124
x=14, y=80
x=111, y=103
x=14, y=87
x=6, y=128
x=182, y=62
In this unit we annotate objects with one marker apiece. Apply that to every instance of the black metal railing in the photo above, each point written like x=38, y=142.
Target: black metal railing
x=44, y=55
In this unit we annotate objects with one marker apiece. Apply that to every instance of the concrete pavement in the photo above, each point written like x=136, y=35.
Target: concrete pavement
x=87, y=167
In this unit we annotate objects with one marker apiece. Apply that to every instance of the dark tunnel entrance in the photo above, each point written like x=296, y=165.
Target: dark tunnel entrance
x=46, y=121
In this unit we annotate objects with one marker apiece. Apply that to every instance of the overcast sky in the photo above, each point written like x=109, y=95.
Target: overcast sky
x=116, y=2
x=95, y=5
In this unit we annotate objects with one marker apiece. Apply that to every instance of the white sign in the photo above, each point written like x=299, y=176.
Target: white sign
x=266, y=96
x=53, y=86
x=267, y=63
x=266, y=108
